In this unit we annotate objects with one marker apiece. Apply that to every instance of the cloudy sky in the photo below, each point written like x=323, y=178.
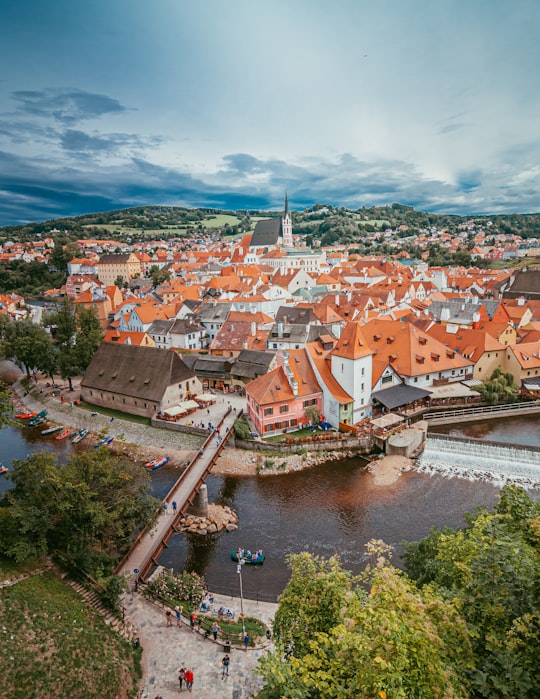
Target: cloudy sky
x=229, y=103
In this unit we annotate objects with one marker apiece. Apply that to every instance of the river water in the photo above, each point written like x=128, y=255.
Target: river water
x=332, y=508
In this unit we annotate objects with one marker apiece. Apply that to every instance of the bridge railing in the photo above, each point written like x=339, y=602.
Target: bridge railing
x=510, y=408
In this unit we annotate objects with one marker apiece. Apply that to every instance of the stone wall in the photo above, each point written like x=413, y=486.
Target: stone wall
x=363, y=445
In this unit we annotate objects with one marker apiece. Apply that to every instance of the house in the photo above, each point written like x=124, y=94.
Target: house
x=184, y=334
x=523, y=362
x=111, y=267
x=277, y=401
x=337, y=405
x=351, y=365
x=483, y=349
x=137, y=380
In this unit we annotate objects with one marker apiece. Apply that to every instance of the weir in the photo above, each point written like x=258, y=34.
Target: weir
x=478, y=459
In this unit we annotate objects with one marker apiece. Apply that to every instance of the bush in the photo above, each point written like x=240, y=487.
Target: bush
x=241, y=428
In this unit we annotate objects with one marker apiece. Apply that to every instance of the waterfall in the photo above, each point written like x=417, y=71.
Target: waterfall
x=476, y=459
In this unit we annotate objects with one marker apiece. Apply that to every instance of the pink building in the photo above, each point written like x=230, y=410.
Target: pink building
x=277, y=401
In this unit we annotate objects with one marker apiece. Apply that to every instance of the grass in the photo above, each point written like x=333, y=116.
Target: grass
x=53, y=645
x=109, y=412
x=10, y=570
x=299, y=433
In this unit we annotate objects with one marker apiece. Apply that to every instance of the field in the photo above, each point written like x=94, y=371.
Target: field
x=54, y=646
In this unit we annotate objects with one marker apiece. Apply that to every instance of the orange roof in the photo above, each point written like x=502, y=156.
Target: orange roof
x=352, y=343
x=303, y=372
x=270, y=388
x=322, y=364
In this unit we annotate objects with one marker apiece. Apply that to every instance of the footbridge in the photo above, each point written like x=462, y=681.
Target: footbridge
x=448, y=417
x=145, y=551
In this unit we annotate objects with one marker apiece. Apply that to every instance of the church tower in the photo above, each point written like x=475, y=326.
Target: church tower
x=286, y=226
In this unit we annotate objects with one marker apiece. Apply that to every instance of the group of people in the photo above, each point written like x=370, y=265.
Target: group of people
x=185, y=675
x=248, y=555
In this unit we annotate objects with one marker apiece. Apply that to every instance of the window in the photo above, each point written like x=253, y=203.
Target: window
x=283, y=408
x=293, y=422
x=342, y=367
x=269, y=411
x=311, y=401
x=362, y=387
x=363, y=371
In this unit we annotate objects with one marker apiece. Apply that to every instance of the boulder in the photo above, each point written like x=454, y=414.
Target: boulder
x=231, y=527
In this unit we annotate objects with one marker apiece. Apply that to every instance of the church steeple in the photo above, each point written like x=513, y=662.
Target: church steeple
x=286, y=225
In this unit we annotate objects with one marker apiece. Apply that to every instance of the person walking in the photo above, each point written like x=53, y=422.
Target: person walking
x=215, y=629
x=225, y=666
x=181, y=676
x=168, y=617
x=174, y=506
x=247, y=639
x=189, y=680
x=178, y=611
x=192, y=621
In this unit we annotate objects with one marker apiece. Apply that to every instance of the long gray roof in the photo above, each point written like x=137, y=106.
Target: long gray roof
x=129, y=370
x=266, y=233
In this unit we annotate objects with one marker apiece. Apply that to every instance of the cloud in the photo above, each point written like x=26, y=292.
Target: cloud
x=66, y=105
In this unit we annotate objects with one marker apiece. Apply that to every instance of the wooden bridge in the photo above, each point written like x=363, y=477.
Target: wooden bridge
x=145, y=551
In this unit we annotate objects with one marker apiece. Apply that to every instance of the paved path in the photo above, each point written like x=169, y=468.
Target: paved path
x=166, y=649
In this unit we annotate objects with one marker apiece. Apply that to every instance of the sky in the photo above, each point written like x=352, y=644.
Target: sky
x=106, y=104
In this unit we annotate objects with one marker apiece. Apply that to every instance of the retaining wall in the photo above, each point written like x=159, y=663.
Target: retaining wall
x=363, y=444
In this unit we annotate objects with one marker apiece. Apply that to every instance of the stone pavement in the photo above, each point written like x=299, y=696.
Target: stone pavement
x=166, y=649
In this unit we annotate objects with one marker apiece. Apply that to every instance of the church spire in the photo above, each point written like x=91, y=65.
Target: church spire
x=286, y=225
x=286, y=205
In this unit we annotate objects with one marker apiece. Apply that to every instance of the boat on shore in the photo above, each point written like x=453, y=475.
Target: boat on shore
x=158, y=463
x=25, y=416
x=3, y=470
x=79, y=436
x=255, y=559
x=52, y=430
x=65, y=433
x=103, y=442
x=37, y=419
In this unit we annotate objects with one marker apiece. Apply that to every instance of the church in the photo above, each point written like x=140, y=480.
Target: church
x=272, y=244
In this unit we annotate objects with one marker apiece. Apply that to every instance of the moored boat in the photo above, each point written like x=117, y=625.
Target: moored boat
x=25, y=416
x=3, y=470
x=35, y=421
x=65, y=433
x=255, y=559
x=81, y=434
x=158, y=463
x=103, y=442
x=52, y=430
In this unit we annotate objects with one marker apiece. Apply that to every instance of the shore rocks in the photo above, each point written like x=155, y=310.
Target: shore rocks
x=219, y=517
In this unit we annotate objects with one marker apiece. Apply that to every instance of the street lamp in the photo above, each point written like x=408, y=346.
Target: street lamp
x=239, y=571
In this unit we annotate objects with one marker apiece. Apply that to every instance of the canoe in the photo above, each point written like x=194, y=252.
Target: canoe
x=25, y=416
x=52, y=430
x=257, y=559
x=65, y=433
x=102, y=442
x=35, y=421
x=81, y=434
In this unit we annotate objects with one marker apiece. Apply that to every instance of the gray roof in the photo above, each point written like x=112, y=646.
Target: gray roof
x=214, y=312
x=526, y=283
x=159, y=327
x=293, y=314
x=118, y=259
x=266, y=233
x=399, y=395
x=143, y=372
x=184, y=326
x=252, y=363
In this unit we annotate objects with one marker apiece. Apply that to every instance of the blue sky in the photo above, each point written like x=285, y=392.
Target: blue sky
x=229, y=103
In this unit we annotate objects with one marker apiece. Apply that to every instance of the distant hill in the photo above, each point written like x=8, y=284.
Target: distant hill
x=322, y=222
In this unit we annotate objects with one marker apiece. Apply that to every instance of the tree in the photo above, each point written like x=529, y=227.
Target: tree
x=63, y=327
x=29, y=345
x=88, y=337
x=158, y=275
x=312, y=414
x=84, y=512
x=395, y=641
x=491, y=570
x=499, y=388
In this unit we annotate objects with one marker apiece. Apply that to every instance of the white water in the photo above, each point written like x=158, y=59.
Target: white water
x=497, y=463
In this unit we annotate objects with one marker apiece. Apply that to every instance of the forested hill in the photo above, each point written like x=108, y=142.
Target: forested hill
x=322, y=222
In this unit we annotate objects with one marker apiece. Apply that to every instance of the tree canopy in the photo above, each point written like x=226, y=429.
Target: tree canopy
x=85, y=511
x=463, y=620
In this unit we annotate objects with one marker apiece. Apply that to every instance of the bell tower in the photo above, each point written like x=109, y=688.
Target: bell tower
x=286, y=226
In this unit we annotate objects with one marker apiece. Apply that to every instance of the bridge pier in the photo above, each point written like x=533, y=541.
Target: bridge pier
x=199, y=506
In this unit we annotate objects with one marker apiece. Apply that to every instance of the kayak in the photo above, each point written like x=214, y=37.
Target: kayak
x=65, y=433
x=79, y=436
x=25, y=416
x=52, y=430
x=103, y=442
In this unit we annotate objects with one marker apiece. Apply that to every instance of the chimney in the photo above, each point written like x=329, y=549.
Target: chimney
x=337, y=299
x=280, y=328
x=253, y=329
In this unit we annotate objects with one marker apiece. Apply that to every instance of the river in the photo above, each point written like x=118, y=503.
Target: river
x=332, y=508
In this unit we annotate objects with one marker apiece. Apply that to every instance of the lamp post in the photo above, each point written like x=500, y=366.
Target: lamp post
x=239, y=571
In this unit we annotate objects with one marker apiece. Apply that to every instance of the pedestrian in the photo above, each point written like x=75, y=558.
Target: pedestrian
x=215, y=629
x=178, y=611
x=225, y=665
x=246, y=641
x=174, y=506
x=165, y=507
x=192, y=621
x=189, y=679
x=168, y=617
x=208, y=411
x=181, y=676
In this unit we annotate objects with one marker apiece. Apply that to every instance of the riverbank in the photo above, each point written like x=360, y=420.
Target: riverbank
x=388, y=469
